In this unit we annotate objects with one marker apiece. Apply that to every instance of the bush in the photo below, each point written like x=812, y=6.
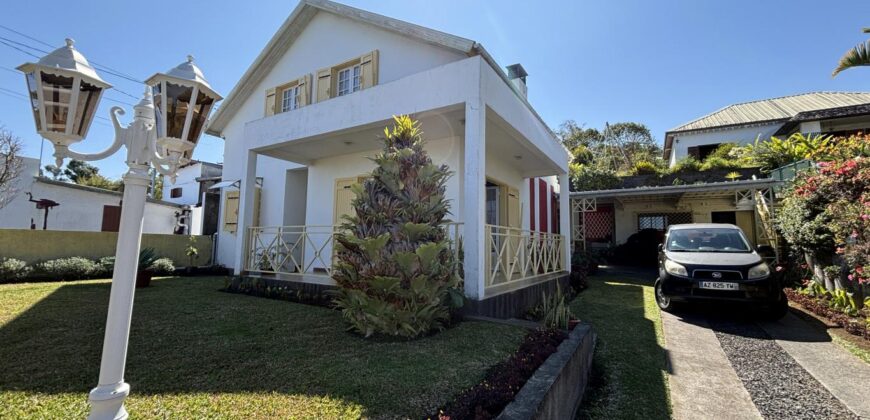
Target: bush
x=646, y=168
x=715, y=162
x=686, y=164
x=12, y=269
x=587, y=178
x=72, y=268
x=775, y=152
x=395, y=270
x=162, y=267
x=553, y=310
x=106, y=267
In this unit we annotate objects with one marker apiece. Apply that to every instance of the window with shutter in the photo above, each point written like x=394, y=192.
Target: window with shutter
x=231, y=211
x=348, y=77
x=288, y=97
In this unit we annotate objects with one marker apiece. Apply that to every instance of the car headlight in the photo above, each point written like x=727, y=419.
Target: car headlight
x=759, y=271
x=675, y=269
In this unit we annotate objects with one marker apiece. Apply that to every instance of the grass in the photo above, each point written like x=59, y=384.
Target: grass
x=629, y=377
x=859, y=352
x=196, y=352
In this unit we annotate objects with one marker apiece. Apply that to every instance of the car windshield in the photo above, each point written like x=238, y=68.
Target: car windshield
x=707, y=240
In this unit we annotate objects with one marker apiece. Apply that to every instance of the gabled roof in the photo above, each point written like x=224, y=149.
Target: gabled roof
x=782, y=108
x=296, y=23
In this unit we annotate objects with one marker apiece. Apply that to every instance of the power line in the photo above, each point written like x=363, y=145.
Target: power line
x=13, y=92
x=26, y=36
x=19, y=49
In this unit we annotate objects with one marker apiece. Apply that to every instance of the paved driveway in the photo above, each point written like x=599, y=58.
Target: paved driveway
x=727, y=364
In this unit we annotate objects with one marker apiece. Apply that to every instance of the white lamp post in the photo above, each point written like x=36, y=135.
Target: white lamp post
x=65, y=91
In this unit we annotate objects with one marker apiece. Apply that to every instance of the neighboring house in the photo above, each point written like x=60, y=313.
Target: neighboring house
x=193, y=188
x=56, y=205
x=311, y=109
x=836, y=113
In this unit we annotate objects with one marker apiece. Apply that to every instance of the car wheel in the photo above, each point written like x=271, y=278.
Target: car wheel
x=662, y=300
x=777, y=309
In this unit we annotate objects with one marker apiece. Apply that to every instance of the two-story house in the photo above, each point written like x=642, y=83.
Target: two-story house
x=301, y=123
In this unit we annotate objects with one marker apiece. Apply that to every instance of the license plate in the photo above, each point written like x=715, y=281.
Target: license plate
x=718, y=285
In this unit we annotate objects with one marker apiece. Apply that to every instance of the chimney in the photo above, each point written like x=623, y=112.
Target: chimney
x=517, y=75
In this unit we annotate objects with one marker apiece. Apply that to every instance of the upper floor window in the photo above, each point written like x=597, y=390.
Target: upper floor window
x=175, y=193
x=348, y=80
x=290, y=98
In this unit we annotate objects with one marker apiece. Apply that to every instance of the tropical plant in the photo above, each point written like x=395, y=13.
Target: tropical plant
x=644, y=167
x=686, y=164
x=776, y=152
x=191, y=251
x=553, y=310
x=394, y=267
x=843, y=148
x=857, y=56
x=733, y=176
x=716, y=162
x=147, y=256
x=589, y=178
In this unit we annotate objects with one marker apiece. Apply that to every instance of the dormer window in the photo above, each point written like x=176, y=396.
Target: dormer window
x=348, y=80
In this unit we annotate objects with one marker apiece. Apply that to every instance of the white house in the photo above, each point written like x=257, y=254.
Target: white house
x=193, y=189
x=56, y=205
x=835, y=113
x=311, y=109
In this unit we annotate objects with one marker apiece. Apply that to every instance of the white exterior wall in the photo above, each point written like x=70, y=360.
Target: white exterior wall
x=743, y=135
x=626, y=218
x=186, y=180
x=79, y=210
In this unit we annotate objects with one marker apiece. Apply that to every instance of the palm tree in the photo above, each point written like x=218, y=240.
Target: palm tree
x=858, y=56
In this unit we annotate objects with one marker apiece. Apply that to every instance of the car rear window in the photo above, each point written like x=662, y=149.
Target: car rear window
x=707, y=240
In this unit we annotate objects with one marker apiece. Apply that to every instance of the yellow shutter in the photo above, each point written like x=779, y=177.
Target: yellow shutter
x=231, y=211
x=324, y=84
x=513, y=208
x=256, y=219
x=270, y=102
x=343, y=198
x=369, y=69
x=304, y=84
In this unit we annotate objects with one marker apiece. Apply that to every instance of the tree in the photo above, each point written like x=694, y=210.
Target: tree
x=98, y=181
x=55, y=172
x=77, y=169
x=11, y=165
x=617, y=148
x=156, y=186
x=395, y=271
x=858, y=56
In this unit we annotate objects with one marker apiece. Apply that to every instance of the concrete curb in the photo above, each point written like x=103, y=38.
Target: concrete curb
x=556, y=389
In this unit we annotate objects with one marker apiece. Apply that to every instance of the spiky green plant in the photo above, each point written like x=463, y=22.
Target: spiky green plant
x=858, y=56
x=395, y=271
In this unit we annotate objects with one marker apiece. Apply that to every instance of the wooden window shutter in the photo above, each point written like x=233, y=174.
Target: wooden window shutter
x=369, y=70
x=304, y=84
x=270, y=101
x=256, y=219
x=231, y=211
x=513, y=208
x=324, y=84
x=694, y=152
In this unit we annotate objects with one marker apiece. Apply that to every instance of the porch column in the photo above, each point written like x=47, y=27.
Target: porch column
x=565, y=218
x=474, y=238
x=246, y=208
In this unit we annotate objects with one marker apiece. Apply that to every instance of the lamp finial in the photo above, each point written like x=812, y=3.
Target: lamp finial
x=69, y=42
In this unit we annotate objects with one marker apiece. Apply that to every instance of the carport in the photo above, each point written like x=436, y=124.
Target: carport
x=605, y=218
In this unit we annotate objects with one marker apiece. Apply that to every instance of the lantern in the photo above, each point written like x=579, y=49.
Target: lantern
x=64, y=93
x=182, y=102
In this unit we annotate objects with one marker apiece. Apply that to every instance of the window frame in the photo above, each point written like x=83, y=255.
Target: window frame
x=175, y=190
x=294, y=98
x=353, y=82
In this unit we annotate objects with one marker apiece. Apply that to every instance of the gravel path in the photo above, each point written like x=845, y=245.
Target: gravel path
x=779, y=387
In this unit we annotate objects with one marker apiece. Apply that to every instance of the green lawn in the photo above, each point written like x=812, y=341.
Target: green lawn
x=629, y=379
x=196, y=352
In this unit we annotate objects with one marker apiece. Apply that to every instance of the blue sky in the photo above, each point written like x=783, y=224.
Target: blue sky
x=661, y=63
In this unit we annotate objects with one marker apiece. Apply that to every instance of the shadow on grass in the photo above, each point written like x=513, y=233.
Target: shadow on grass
x=188, y=337
x=628, y=374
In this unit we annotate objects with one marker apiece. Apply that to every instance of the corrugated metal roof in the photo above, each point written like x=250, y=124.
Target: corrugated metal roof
x=774, y=109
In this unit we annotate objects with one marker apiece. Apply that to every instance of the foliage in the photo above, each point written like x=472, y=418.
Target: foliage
x=842, y=148
x=502, y=382
x=776, y=152
x=155, y=188
x=686, y=164
x=106, y=266
x=13, y=269
x=162, y=267
x=858, y=56
x=395, y=268
x=733, y=176
x=616, y=148
x=77, y=170
x=644, y=167
x=11, y=165
x=820, y=302
x=72, y=268
x=147, y=256
x=191, y=251
x=553, y=311
x=98, y=181
x=589, y=178
x=716, y=162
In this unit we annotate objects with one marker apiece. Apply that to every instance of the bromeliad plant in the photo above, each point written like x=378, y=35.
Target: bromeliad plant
x=395, y=271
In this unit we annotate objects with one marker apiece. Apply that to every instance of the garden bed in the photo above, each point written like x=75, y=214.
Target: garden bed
x=853, y=325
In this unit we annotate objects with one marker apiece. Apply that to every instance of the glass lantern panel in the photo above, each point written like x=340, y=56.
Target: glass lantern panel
x=200, y=113
x=158, y=110
x=32, y=86
x=89, y=97
x=56, y=97
x=177, y=104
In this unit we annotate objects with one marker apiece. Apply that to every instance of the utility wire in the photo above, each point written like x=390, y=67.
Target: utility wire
x=26, y=36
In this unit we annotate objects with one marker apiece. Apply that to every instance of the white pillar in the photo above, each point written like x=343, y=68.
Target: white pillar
x=565, y=217
x=247, y=186
x=107, y=399
x=474, y=201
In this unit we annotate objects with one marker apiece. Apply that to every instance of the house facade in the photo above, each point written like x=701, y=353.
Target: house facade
x=193, y=189
x=43, y=203
x=303, y=120
x=834, y=113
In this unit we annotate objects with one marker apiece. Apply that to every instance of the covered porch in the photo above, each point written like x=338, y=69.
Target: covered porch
x=488, y=136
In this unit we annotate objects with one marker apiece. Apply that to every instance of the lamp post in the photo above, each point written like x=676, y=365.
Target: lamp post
x=64, y=93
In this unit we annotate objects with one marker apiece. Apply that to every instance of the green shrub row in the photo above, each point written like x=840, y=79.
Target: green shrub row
x=72, y=268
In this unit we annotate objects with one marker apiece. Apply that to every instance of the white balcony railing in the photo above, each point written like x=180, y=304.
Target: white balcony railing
x=515, y=256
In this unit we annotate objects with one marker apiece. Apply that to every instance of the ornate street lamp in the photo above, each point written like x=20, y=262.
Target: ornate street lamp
x=65, y=91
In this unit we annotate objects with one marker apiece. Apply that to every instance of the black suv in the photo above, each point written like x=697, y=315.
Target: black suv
x=711, y=261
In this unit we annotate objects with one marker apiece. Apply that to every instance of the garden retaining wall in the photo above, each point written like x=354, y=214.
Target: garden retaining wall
x=516, y=303
x=556, y=389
